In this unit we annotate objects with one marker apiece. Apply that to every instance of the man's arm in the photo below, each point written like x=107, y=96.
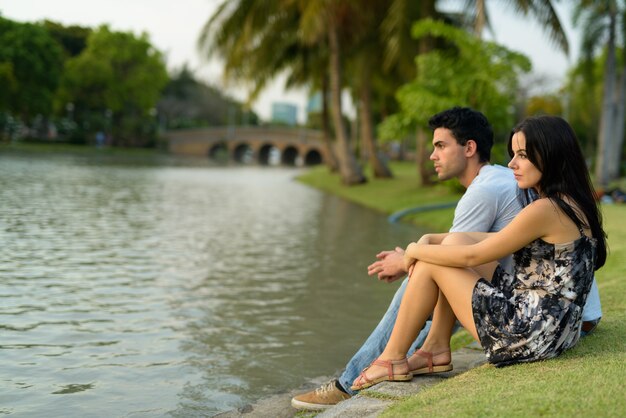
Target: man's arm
x=476, y=211
x=390, y=264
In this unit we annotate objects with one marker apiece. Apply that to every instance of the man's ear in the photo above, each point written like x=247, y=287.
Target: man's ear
x=470, y=148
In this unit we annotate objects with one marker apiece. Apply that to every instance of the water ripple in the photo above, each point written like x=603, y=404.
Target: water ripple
x=156, y=290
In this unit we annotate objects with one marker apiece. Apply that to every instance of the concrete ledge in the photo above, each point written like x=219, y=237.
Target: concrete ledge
x=370, y=402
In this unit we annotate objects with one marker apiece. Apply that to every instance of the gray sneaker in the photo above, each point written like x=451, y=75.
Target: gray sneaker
x=323, y=397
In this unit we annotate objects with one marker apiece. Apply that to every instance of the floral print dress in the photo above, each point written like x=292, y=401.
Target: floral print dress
x=535, y=313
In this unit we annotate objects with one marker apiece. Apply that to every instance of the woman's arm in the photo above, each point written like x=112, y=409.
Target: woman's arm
x=436, y=239
x=534, y=221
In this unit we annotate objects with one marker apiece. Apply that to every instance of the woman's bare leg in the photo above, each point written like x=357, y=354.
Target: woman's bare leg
x=418, y=303
x=438, y=340
x=446, y=292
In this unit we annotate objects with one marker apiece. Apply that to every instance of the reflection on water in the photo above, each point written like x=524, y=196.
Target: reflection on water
x=154, y=290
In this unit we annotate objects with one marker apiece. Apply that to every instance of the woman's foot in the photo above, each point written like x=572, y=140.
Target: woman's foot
x=383, y=371
x=424, y=362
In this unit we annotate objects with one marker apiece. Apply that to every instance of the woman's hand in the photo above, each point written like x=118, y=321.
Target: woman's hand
x=409, y=261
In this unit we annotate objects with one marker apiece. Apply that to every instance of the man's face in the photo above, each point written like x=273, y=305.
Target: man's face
x=448, y=156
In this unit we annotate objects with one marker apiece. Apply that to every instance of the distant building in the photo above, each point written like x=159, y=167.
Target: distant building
x=314, y=104
x=286, y=113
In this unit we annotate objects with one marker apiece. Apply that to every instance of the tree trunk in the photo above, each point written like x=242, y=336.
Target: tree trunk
x=331, y=162
x=425, y=45
x=421, y=157
x=349, y=169
x=479, y=23
x=607, y=122
x=368, y=140
x=618, y=131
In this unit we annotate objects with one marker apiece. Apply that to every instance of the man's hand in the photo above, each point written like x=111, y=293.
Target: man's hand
x=389, y=267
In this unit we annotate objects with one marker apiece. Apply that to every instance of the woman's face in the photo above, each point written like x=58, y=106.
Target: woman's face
x=526, y=173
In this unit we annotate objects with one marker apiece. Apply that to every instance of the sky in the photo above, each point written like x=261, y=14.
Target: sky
x=174, y=25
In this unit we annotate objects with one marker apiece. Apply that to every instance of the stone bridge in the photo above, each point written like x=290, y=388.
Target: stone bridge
x=264, y=145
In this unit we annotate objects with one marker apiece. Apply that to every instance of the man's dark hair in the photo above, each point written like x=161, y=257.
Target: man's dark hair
x=466, y=124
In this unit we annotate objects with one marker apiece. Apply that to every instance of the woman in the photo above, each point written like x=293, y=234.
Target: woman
x=534, y=314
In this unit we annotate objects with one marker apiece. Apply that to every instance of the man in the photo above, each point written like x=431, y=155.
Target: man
x=462, y=141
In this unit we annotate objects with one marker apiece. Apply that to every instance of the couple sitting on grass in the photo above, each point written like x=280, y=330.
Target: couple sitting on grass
x=530, y=306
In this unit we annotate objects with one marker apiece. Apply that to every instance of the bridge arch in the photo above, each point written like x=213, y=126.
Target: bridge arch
x=219, y=152
x=313, y=157
x=243, y=153
x=249, y=144
x=269, y=154
x=290, y=156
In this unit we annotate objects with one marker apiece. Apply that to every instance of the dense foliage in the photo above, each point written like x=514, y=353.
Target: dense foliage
x=30, y=68
x=73, y=83
x=468, y=72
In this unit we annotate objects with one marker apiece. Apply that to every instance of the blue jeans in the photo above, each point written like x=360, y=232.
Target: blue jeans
x=376, y=342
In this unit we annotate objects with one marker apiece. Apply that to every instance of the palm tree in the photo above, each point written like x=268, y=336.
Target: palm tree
x=541, y=10
x=363, y=68
x=399, y=53
x=259, y=40
x=349, y=169
x=601, y=21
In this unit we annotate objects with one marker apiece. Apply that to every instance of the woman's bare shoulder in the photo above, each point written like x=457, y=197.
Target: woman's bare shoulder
x=542, y=205
x=542, y=211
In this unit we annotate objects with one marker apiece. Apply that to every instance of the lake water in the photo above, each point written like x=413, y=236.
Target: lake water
x=149, y=289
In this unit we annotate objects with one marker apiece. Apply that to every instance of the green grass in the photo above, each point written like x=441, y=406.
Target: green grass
x=391, y=195
x=587, y=380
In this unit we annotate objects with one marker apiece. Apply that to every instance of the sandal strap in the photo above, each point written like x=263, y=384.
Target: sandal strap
x=389, y=365
x=429, y=357
x=363, y=376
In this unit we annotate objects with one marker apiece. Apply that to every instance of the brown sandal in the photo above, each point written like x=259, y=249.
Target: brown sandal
x=389, y=378
x=430, y=369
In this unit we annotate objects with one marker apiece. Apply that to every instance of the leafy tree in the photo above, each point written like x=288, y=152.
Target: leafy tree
x=187, y=102
x=475, y=18
x=117, y=79
x=474, y=73
x=544, y=105
x=30, y=68
x=72, y=38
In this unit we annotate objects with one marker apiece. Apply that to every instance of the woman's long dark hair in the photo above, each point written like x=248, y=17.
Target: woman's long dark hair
x=552, y=146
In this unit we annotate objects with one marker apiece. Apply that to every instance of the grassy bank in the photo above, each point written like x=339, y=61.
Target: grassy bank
x=391, y=195
x=585, y=381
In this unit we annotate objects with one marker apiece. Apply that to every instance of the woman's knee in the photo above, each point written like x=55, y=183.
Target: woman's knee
x=458, y=238
x=422, y=270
